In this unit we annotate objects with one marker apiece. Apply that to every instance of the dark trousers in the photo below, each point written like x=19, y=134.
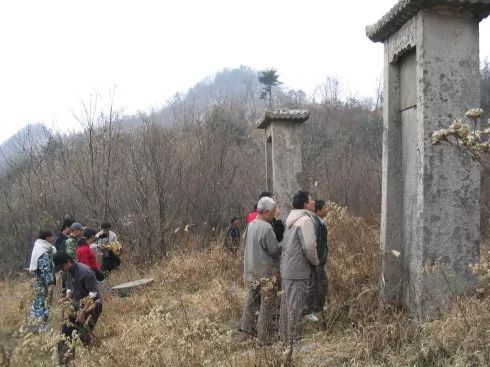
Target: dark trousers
x=110, y=261
x=316, y=290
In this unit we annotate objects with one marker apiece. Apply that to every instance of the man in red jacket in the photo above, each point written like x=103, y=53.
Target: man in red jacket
x=85, y=255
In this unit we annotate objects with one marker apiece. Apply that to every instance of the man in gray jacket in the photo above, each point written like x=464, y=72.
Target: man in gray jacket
x=299, y=259
x=261, y=269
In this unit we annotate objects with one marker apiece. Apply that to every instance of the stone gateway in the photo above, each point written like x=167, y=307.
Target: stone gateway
x=430, y=224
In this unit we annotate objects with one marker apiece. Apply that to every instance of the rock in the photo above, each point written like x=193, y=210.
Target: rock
x=125, y=289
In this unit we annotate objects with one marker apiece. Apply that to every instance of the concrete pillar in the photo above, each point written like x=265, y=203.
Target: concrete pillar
x=430, y=194
x=283, y=142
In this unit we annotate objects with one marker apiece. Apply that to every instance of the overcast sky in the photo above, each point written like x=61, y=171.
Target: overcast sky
x=54, y=54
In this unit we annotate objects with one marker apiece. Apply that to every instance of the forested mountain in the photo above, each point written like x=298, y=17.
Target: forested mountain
x=12, y=148
x=199, y=161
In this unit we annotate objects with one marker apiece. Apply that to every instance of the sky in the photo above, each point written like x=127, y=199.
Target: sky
x=54, y=54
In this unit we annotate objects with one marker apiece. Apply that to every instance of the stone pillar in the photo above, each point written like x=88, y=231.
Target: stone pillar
x=430, y=194
x=284, y=166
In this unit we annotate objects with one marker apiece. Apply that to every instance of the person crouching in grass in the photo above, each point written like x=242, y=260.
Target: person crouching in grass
x=83, y=303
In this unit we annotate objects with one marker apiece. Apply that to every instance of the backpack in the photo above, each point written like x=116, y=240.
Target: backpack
x=115, y=247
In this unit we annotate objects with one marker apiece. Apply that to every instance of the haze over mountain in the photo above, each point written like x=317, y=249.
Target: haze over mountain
x=36, y=134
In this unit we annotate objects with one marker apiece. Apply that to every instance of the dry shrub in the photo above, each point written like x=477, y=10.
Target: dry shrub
x=188, y=317
x=353, y=266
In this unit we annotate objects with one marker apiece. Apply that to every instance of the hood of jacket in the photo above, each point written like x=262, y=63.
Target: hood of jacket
x=294, y=215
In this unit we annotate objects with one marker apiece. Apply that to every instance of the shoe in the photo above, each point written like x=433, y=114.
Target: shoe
x=311, y=317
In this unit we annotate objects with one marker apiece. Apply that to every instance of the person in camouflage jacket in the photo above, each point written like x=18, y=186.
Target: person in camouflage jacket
x=72, y=241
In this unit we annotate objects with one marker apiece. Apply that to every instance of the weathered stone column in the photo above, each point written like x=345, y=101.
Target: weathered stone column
x=431, y=194
x=283, y=142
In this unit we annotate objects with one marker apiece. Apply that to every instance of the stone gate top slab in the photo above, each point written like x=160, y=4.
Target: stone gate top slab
x=283, y=114
x=406, y=9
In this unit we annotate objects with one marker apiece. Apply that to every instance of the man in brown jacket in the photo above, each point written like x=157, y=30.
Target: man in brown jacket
x=299, y=259
x=261, y=269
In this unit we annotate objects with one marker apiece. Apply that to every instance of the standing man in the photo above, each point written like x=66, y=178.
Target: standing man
x=261, y=269
x=41, y=266
x=277, y=224
x=106, y=237
x=76, y=231
x=86, y=300
x=318, y=282
x=60, y=240
x=233, y=236
x=299, y=258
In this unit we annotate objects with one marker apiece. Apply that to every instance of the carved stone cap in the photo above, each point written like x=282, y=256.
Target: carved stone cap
x=283, y=114
x=406, y=9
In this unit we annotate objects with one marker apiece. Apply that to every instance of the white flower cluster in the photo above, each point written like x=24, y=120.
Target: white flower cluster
x=462, y=135
x=474, y=113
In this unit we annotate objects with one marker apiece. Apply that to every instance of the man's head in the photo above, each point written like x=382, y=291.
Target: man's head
x=76, y=230
x=266, y=194
x=89, y=235
x=106, y=227
x=65, y=226
x=266, y=208
x=46, y=235
x=62, y=261
x=303, y=200
x=235, y=221
x=321, y=208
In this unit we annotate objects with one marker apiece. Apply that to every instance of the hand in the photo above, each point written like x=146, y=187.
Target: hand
x=80, y=317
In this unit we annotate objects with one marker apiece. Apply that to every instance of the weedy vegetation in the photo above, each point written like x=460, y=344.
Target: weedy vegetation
x=189, y=316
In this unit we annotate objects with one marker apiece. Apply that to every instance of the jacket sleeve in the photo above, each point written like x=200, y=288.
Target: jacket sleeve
x=271, y=244
x=71, y=248
x=308, y=240
x=90, y=284
x=69, y=282
x=93, y=260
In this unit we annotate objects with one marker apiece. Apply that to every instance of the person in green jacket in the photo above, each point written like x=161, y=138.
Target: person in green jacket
x=76, y=231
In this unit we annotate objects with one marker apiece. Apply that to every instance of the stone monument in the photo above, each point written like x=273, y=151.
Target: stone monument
x=430, y=220
x=283, y=156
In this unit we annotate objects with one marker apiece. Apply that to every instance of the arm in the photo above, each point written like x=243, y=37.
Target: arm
x=271, y=244
x=90, y=284
x=71, y=248
x=69, y=285
x=307, y=237
x=93, y=260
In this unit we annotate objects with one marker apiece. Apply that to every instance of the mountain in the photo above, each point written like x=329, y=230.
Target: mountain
x=32, y=135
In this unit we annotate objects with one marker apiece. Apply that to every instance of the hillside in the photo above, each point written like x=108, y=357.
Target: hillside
x=36, y=136
x=189, y=317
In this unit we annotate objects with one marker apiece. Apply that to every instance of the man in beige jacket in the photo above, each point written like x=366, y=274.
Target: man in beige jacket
x=299, y=259
x=261, y=268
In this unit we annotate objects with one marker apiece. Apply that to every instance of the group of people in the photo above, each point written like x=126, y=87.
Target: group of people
x=284, y=268
x=74, y=252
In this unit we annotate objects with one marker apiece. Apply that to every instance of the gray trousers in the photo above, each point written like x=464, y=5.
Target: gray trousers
x=293, y=306
x=263, y=298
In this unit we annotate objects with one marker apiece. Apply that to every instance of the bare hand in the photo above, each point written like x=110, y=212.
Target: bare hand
x=80, y=317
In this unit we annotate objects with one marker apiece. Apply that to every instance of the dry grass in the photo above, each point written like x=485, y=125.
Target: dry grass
x=189, y=317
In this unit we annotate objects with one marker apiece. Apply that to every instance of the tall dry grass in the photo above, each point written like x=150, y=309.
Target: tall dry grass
x=189, y=317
